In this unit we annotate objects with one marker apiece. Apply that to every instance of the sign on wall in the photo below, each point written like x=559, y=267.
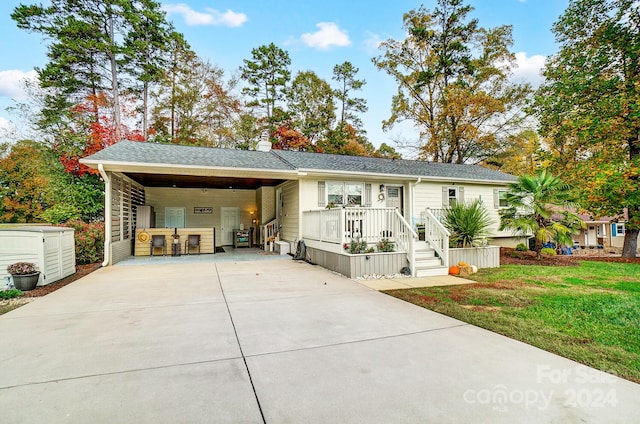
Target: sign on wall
x=198, y=210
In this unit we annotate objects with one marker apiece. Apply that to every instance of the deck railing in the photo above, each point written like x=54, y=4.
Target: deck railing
x=437, y=236
x=370, y=225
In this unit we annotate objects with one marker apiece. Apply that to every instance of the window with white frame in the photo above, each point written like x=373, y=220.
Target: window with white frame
x=502, y=199
x=345, y=193
x=354, y=194
x=335, y=193
x=452, y=196
x=619, y=229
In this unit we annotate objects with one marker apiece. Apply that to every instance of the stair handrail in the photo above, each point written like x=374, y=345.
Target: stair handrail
x=437, y=236
x=268, y=230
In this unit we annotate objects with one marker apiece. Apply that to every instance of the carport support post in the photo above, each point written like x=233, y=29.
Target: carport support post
x=107, y=213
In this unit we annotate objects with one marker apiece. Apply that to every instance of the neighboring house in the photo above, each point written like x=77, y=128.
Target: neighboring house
x=605, y=232
x=286, y=196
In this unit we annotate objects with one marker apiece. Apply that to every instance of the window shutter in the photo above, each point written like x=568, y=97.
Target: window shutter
x=614, y=231
x=367, y=195
x=321, y=195
x=445, y=196
x=461, y=194
x=496, y=198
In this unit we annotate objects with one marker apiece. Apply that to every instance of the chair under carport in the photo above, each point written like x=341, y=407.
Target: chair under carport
x=192, y=242
x=158, y=241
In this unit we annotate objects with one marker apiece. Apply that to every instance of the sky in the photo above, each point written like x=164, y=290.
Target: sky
x=317, y=35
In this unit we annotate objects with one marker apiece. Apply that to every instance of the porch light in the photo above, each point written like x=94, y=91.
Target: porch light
x=381, y=188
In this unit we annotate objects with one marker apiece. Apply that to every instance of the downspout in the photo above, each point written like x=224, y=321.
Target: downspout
x=107, y=214
x=412, y=249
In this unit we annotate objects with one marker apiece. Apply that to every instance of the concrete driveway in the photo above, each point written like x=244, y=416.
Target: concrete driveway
x=276, y=342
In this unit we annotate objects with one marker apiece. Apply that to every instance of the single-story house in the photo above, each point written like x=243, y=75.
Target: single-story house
x=283, y=197
x=605, y=232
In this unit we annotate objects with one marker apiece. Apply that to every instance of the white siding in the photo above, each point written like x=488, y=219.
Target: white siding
x=120, y=251
x=429, y=195
x=290, y=211
x=161, y=197
x=266, y=201
x=309, y=191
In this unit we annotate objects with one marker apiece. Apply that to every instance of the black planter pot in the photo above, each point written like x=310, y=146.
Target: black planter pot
x=26, y=282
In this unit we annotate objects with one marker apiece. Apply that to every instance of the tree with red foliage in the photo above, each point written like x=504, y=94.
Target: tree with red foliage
x=89, y=129
x=288, y=138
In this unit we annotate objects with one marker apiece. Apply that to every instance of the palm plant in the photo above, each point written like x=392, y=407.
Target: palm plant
x=468, y=223
x=534, y=209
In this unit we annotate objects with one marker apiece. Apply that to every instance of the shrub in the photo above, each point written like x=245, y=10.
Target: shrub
x=521, y=247
x=89, y=238
x=385, y=245
x=548, y=251
x=60, y=213
x=468, y=223
x=10, y=294
x=356, y=247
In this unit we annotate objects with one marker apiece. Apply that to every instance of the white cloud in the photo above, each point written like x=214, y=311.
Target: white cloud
x=372, y=42
x=5, y=124
x=529, y=68
x=209, y=17
x=12, y=83
x=327, y=36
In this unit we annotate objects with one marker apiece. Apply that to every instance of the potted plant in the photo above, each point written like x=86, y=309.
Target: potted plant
x=25, y=275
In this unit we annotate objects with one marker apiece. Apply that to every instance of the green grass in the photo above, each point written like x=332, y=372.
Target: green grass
x=589, y=313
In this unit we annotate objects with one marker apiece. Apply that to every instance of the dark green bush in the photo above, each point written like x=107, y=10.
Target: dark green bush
x=521, y=247
x=469, y=224
x=385, y=245
x=10, y=294
x=356, y=247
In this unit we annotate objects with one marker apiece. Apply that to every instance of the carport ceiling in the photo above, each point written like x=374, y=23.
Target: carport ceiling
x=192, y=181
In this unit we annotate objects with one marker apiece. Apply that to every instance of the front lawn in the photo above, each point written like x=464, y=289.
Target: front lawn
x=589, y=313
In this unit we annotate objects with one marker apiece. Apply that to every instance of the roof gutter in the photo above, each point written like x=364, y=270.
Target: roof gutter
x=107, y=213
x=120, y=165
x=324, y=172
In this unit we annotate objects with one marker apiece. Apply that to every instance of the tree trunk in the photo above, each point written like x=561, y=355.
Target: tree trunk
x=114, y=83
x=538, y=248
x=145, y=102
x=630, y=243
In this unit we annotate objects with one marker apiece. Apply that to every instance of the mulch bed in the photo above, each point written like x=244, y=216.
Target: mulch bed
x=81, y=271
x=509, y=256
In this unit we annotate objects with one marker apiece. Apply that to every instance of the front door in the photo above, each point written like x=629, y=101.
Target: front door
x=592, y=238
x=394, y=198
x=229, y=221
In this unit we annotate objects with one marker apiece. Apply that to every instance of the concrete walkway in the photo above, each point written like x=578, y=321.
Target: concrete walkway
x=277, y=342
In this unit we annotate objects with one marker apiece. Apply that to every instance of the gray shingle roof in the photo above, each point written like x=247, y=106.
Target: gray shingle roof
x=315, y=161
x=281, y=160
x=173, y=154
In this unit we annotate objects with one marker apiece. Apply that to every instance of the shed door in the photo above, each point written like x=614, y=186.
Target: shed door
x=52, y=257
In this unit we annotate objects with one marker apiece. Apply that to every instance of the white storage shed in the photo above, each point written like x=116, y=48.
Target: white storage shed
x=52, y=249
